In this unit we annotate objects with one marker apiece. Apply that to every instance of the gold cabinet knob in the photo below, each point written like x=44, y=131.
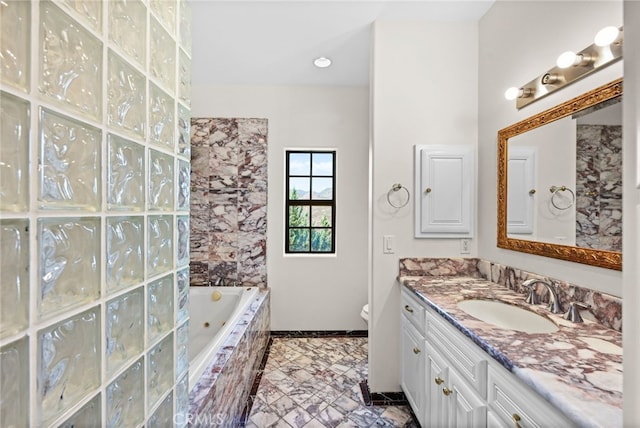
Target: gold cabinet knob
x=427, y=190
x=446, y=391
x=416, y=351
x=438, y=380
x=532, y=192
x=516, y=420
x=408, y=308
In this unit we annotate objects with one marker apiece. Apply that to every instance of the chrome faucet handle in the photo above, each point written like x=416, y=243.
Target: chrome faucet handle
x=532, y=296
x=555, y=307
x=573, y=314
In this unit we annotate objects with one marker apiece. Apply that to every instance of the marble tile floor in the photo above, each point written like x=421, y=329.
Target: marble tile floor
x=315, y=383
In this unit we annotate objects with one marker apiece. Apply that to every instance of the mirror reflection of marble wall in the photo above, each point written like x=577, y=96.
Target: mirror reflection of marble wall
x=599, y=185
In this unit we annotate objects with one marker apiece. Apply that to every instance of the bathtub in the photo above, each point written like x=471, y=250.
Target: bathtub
x=212, y=321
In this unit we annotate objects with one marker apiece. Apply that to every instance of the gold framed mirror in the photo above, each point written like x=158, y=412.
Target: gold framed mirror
x=526, y=240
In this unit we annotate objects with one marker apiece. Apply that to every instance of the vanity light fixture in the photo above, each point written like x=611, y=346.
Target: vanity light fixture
x=572, y=66
x=571, y=59
x=606, y=36
x=512, y=93
x=322, y=62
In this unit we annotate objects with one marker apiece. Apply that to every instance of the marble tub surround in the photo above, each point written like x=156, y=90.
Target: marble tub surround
x=578, y=368
x=228, y=200
x=605, y=309
x=220, y=396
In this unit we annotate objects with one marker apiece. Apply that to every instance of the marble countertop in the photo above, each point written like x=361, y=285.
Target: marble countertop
x=578, y=368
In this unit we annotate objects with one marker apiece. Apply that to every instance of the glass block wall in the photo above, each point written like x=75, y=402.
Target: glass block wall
x=94, y=212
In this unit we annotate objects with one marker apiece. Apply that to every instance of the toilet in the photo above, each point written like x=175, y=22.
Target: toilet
x=365, y=313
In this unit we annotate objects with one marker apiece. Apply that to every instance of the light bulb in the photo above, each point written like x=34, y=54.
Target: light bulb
x=566, y=59
x=606, y=36
x=512, y=93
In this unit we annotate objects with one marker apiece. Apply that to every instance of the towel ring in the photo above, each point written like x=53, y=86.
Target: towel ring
x=395, y=188
x=554, y=191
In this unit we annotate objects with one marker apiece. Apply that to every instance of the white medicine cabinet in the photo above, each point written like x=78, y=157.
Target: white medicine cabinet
x=445, y=191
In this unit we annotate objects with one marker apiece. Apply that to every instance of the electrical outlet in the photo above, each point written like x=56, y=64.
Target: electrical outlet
x=465, y=246
x=388, y=244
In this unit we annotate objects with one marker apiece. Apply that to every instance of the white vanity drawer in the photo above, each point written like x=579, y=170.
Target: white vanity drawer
x=511, y=401
x=465, y=356
x=412, y=309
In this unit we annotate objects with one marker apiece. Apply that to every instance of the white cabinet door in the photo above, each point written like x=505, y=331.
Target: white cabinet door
x=436, y=379
x=465, y=407
x=413, y=365
x=451, y=401
x=445, y=189
x=521, y=176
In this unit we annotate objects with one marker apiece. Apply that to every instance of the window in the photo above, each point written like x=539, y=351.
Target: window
x=310, y=202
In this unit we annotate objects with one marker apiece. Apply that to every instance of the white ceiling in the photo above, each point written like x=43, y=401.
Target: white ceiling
x=275, y=42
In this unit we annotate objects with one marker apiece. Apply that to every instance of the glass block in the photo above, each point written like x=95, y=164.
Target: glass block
x=125, y=397
x=88, y=416
x=184, y=83
x=14, y=152
x=68, y=263
x=182, y=402
x=183, y=241
x=125, y=174
x=185, y=26
x=184, y=182
x=183, y=295
x=14, y=276
x=14, y=384
x=160, y=370
x=70, y=62
x=160, y=181
x=127, y=17
x=69, y=163
x=160, y=307
x=68, y=363
x=126, y=101
x=166, y=12
x=15, y=39
x=125, y=254
x=161, y=118
x=184, y=131
x=159, y=244
x=124, y=329
x=163, y=56
x=89, y=10
x=163, y=416
x=182, y=349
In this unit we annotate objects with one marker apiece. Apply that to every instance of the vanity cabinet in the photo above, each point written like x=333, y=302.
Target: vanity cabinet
x=451, y=382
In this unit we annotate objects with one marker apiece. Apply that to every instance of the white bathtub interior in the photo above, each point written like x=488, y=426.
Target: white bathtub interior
x=211, y=322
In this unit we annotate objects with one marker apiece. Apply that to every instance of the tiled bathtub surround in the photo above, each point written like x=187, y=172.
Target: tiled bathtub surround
x=605, y=309
x=93, y=214
x=229, y=200
x=220, y=396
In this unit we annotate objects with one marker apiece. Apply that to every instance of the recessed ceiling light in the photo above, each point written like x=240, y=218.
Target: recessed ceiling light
x=322, y=62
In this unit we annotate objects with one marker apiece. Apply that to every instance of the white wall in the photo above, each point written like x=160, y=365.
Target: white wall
x=424, y=91
x=631, y=214
x=519, y=41
x=309, y=292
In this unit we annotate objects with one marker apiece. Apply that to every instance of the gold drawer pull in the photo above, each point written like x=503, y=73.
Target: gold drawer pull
x=408, y=308
x=446, y=391
x=516, y=420
x=416, y=351
x=438, y=380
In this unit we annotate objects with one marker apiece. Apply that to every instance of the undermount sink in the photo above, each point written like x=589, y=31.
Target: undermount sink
x=504, y=315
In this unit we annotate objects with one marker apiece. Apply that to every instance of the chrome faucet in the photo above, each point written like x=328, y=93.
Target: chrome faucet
x=225, y=282
x=533, y=299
